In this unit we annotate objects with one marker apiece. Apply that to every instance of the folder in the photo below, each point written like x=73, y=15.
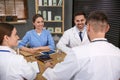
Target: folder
x=50, y=3
x=49, y=15
x=44, y=15
x=54, y=2
x=45, y=2
x=40, y=2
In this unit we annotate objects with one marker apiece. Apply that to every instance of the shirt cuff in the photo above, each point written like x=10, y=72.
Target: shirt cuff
x=49, y=74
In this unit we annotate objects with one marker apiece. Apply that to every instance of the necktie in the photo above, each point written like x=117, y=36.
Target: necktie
x=80, y=35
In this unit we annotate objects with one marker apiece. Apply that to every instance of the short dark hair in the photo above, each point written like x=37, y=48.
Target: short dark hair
x=80, y=13
x=5, y=29
x=97, y=16
x=98, y=20
x=36, y=16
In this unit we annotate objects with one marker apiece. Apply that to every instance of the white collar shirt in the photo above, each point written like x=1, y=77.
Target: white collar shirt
x=98, y=60
x=14, y=66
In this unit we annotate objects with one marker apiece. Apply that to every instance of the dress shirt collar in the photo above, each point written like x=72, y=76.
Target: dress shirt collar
x=84, y=29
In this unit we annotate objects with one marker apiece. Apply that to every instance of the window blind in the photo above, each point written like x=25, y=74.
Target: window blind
x=110, y=7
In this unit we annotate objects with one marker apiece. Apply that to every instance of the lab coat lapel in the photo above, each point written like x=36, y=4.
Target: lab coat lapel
x=76, y=36
x=85, y=37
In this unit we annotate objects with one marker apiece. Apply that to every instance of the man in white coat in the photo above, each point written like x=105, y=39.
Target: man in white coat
x=71, y=38
x=99, y=60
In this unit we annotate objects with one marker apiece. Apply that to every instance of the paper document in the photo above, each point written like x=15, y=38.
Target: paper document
x=35, y=66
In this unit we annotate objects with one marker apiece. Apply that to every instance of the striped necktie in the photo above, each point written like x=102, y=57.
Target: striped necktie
x=80, y=35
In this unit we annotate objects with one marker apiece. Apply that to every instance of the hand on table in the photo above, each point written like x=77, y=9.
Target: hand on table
x=48, y=64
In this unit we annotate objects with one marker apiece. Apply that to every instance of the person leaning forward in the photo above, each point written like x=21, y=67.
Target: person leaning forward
x=98, y=60
x=75, y=36
x=13, y=66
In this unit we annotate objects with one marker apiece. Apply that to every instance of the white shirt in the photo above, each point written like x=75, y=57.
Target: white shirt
x=14, y=66
x=71, y=39
x=98, y=60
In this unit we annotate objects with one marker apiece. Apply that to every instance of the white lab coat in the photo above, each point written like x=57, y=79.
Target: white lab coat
x=95, y=61
x=71, y=39
x=14, y=66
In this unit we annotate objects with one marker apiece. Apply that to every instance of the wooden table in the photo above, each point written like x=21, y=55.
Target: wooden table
x=31, y=57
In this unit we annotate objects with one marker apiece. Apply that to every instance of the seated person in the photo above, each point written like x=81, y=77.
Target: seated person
x=98, y=60
x=12, y=65
x=38, y=38
x=75, y=36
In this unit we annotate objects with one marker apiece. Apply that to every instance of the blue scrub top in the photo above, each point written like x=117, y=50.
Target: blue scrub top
x=34, y=40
